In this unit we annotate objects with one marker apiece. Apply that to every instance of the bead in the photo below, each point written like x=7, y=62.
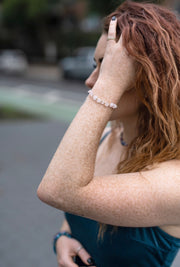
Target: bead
x=90, y=92
x=99, y=100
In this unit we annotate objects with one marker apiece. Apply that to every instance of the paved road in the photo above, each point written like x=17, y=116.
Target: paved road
x=27, y=225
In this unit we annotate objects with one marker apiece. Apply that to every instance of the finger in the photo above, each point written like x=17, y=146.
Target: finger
x=67, y=262
x=112, y=29
x=85, y=256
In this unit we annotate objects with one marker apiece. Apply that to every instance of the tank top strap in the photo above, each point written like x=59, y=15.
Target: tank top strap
x=104, y=136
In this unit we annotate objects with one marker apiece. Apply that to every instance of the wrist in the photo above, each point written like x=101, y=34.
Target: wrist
x=107, y=91
x=57, y=236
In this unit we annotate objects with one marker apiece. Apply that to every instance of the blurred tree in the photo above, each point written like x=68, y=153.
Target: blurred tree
x=36, y=25
x=16, y=12
x=29, y=22
x=104, y=7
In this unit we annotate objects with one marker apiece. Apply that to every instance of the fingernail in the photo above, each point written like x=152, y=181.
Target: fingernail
x=90, y=261
x=113, y=18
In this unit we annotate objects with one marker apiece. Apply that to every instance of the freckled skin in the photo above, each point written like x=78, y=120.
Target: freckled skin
x=73, y=182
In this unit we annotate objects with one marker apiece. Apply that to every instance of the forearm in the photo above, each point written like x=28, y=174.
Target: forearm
x=76, y=154
x=72, y=166
x=65, y=227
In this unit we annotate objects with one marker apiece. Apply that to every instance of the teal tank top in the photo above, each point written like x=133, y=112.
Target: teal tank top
x=126, y=247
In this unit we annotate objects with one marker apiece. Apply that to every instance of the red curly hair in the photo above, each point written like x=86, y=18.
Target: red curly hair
x=151, y=35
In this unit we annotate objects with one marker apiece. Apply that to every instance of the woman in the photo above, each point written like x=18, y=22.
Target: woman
x=130, y=184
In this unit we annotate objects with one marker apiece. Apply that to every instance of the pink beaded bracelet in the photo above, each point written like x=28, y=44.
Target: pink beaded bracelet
x=100, y=101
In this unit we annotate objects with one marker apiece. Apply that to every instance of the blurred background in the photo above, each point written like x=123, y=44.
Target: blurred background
x=46, y=53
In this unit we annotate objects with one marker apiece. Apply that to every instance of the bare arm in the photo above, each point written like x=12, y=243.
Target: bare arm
x=65, y=227
x=72, y=166
x=132, y=199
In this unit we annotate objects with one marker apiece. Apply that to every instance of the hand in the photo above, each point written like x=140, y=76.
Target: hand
x=117, y=70
x=66, y=249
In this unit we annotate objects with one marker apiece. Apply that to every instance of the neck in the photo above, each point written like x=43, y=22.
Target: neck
x=129, y=129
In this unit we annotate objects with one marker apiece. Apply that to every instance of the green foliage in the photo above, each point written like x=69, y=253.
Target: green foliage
x=36, y=8
x=11, y=113
x=18, y=12
x=67, y=42
x=102, y=7
x=105, y=7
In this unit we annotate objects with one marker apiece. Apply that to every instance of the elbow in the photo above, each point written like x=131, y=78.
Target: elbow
x=42, y=194
x=50, y=196
x=47, y=196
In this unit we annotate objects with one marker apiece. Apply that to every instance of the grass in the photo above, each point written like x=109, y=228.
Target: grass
x=10, y=113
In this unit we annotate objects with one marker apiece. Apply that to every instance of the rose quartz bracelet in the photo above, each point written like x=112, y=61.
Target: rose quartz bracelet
x=100, y=101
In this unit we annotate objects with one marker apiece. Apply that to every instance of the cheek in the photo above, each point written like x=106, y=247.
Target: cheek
x=129, y=101
x=132, y=102
x=127, y=106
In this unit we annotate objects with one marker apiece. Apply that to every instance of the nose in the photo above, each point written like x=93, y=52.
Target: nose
x=92, y=79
